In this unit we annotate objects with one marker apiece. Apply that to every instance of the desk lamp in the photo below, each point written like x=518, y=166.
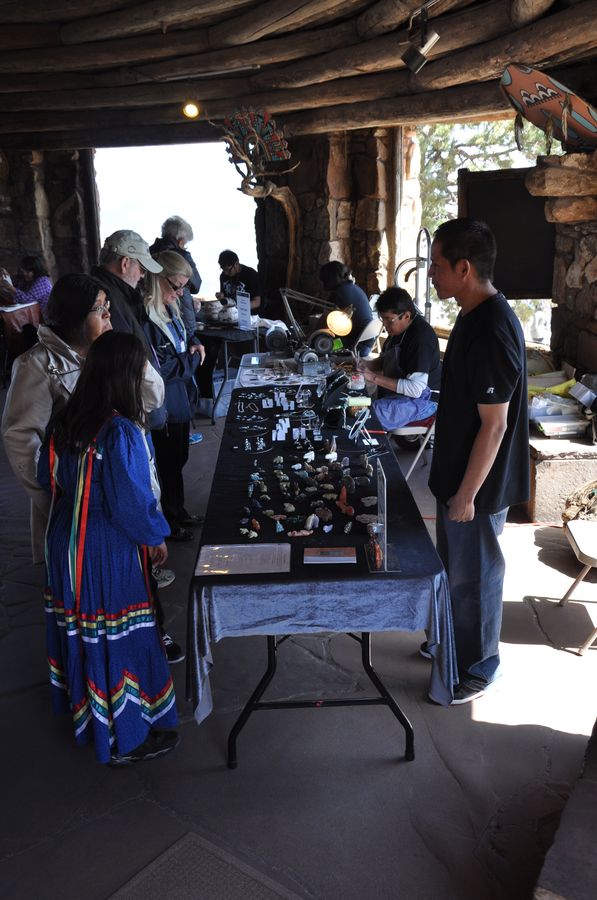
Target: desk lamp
x=339, y=324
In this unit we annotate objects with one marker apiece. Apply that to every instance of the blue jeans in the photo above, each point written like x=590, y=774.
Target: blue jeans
x=472, y=557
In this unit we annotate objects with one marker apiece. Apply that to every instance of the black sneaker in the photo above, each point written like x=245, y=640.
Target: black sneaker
x=465, y=693
x=157, y=743
x=173, y=650
x=191, y=521
x=178, y=533
x=424, y=650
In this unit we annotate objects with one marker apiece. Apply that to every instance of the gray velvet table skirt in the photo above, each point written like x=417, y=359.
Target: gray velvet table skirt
x=372, y=604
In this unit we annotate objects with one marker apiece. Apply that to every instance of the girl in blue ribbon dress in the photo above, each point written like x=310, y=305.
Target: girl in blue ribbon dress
x=107, y=663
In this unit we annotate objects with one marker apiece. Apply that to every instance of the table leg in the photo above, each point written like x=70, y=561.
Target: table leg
x=409, y=753
x=252, y=701
x=191, y=632
x=384, y=698
x=223, y=385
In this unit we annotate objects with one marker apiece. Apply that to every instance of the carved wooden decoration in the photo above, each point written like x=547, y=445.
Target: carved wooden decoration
x=255, y=145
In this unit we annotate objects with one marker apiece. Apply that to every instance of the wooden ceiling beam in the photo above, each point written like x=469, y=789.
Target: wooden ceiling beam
x=532, y=45
x=54, y=11
x=143, y=18
x=452, y=105
x=255, y=21
x=21, y=37
x=104, y=54
x=358, y=107
x=523, y=12
x=134, y=96
x=387, y=15
x=461, y=29
x=267, y=52
x=186, y=53
x=279, y=17
x=139, y=136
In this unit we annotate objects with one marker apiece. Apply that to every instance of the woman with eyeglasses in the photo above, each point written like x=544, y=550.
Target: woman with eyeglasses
x=108, y=666
x=178, y=355
x=43, y=379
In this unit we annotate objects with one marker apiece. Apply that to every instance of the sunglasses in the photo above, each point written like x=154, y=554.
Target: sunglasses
x=177, y=288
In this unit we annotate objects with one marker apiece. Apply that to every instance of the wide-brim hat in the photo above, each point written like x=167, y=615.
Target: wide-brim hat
x=131, y=244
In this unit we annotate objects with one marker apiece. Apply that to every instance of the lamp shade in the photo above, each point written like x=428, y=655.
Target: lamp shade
x=339, y=321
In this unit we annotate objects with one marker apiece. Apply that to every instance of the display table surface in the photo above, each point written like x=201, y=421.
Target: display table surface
x=316, y=598
x=225, y=335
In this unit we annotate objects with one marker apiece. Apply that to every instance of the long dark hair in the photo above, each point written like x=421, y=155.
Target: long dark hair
x=109, y=382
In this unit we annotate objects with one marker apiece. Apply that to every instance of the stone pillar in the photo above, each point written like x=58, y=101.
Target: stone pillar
x=48, y=207
x=345, y=186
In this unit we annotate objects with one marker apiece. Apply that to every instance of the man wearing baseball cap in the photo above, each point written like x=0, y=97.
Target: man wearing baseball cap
x=123, y=260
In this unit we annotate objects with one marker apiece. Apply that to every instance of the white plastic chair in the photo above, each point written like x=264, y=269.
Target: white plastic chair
x=371, y=330
x=582, y=537
x=426, y=428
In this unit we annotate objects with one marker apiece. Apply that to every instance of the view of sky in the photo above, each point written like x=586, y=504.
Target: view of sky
x=139, y=187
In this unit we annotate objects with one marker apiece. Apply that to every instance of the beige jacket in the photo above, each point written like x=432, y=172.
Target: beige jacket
x=43, y=379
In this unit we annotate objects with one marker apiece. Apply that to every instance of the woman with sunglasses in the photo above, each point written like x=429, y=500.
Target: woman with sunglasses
x=178, y=355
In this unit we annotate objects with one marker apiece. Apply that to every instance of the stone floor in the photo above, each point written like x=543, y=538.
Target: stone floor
x=322, y=801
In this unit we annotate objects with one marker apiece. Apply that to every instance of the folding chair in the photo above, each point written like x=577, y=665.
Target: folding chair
x=582, y=537
x=425, y=428
x=371, y=330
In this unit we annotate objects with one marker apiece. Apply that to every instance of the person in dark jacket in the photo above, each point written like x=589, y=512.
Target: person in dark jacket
x=176, y=234
x=123, y=261
x=178, y=359
x=336, y=277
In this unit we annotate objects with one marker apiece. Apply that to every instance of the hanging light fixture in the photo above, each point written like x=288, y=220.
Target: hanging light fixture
x=421, y=38
x=191, y=109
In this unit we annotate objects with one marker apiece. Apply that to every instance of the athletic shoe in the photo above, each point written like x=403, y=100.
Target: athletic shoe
x=464, y=693
x=163, y=577
x=195, y=438
x=424, y=650
x=180, y=534
x=191, y=521
x=173, y=650
x=157, y=743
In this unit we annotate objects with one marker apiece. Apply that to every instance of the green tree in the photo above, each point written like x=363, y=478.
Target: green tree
x=479, y=147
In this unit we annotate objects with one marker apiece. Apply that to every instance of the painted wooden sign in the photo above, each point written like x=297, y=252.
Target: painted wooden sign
x=539, y=98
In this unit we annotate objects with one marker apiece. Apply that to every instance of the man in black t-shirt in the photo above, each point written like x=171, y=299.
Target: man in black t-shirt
x=481, y=458
x=236, y=277
x=407, y=373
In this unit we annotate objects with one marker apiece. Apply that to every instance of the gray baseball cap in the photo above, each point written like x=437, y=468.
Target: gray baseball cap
x=129, y=243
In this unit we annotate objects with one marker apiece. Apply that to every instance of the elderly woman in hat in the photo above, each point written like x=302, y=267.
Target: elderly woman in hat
x=44, y=377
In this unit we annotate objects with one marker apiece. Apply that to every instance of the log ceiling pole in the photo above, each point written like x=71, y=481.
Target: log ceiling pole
x=120, y=75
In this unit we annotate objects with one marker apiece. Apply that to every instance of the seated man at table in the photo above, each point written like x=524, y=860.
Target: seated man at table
x=408, y=371
x=237, y=277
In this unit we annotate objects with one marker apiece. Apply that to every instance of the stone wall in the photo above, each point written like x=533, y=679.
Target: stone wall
x=48, y=207
x=574, y=320
x=569, y=184
x=346, y=188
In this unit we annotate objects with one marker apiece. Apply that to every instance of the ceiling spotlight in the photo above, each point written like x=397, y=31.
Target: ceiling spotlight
x=191, y=109
x=421, y=38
